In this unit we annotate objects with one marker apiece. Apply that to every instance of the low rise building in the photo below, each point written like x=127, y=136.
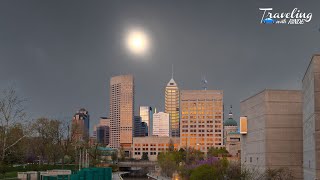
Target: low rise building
x=152, y=146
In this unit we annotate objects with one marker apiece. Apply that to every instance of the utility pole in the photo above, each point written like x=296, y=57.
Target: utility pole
x=79, y=159
x=187, y=150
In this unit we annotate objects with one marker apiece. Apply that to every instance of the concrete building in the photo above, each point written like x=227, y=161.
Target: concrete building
x=311, y=120
x=152, y=146
x=121, y=111
x=80, y=125
x=201, y=125
x=146, y=116
x=161, y=124
x=274, y=131
x=232, y=136
x=172, y=107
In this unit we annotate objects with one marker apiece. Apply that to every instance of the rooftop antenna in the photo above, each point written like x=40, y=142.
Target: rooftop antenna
x=172, y=71
x=204, y=83
x=230, y=112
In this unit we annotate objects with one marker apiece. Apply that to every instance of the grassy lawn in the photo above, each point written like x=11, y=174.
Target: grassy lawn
x=12, y=174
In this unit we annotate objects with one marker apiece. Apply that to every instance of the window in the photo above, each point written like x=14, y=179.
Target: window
x=251, y=159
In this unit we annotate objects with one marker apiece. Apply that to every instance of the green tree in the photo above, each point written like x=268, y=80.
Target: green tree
x=171, y=145
x=181, y=155
x=217, y=152
x=194, y=155
x=204, y=172
x=145, y=156
x=114, y=156
x=95, y=154
x=122, y=154
x=167, y=163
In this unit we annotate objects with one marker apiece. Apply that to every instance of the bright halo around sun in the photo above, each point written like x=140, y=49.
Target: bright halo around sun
x=137, y=42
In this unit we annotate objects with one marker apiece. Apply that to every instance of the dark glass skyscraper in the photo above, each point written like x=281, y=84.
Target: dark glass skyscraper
x=80, y=125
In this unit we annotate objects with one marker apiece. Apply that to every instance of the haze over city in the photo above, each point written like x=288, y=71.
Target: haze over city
x=60, y=55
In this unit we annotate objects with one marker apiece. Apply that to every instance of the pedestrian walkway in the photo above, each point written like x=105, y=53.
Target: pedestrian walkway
x=158, y=177
x=117, y=175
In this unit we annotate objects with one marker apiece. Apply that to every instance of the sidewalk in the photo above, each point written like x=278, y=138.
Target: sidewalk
x=117, y=175
x=158, y=177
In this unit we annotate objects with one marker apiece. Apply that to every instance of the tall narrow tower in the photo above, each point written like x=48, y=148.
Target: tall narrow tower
x=172, y=106
x=121, y=111
x=80, y=125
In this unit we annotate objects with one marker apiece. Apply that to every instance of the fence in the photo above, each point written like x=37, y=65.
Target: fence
x=83, y=174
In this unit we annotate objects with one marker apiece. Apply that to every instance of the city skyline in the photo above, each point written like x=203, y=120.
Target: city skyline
x=140, y=89
x=80, y=57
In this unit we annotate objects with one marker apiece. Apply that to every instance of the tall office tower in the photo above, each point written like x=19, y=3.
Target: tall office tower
x=80, y=125
x=146, y=116
x=311, y=120
x=137, y=126
x=121, y=111
x=144, y=129
x=104, y=121
x=201, y=119
x=102, y=136
x=161, y=124
x=172, y=107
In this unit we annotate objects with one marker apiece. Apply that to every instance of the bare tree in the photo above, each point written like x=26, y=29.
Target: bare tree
x=66, y=140
x=11, y=112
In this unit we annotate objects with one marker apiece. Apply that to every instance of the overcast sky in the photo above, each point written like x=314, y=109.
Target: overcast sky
x=61, y=54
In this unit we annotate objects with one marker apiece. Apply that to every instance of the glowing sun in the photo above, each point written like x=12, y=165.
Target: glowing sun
x=137, y=42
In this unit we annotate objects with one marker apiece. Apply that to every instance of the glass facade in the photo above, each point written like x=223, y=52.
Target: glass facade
x=146, y=117
x=172, y=107
x=201, y=119
x=103, y=135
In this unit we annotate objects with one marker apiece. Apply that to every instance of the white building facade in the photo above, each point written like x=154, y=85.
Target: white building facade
x=161, y=122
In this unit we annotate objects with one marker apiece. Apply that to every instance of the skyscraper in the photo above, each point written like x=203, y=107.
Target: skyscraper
x=161, y=124
x=201, y=119
x=121, y=111
x=103, y=127
x=146, y=116
x=144, y=129
x=80, y=125
x=137, y=126
x=172, y=107
x=103, y=135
